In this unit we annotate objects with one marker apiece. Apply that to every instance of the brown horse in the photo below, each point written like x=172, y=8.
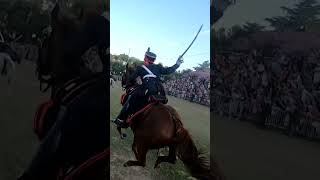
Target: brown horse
x=79, y=155
x=160, y=126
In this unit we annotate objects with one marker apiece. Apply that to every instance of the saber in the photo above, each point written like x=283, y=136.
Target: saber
x=192, y=41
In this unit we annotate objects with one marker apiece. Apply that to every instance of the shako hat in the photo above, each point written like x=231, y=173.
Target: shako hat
x=150, y=54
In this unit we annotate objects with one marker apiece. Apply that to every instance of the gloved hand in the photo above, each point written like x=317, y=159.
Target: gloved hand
x=179, y=61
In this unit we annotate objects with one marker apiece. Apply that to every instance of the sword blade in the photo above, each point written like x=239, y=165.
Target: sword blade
x=192, y=41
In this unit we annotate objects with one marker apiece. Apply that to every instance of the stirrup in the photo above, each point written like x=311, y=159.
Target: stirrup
x=118, y=122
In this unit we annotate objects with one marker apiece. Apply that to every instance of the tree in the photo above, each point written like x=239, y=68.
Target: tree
x=303, y=13
x=134, y=60
x=123, y=58
x=118, y=62
x=251, y=28
x=203, y=66
x=118, y=67
x=23, y=17
x=186, y=71
x=114, y=57
x=235, y=31
x=279, y=23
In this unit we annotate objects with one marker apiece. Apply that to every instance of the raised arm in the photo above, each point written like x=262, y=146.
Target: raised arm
x=172, y=69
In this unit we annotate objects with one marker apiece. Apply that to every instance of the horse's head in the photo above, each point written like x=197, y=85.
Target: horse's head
x=130, y=69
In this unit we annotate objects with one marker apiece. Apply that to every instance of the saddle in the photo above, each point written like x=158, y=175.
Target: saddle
x=152, y=100
x=47, y=112
x=125, y=96
x=158, y=99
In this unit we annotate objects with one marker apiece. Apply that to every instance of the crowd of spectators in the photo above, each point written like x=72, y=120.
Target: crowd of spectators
x=29, y=52
x=189, y=87
x=280, y=90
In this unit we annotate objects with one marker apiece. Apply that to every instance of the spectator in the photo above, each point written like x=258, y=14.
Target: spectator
x=191, y=87
x=254, y=86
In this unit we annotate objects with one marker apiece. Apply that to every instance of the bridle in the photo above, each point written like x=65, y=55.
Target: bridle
x=127, y=85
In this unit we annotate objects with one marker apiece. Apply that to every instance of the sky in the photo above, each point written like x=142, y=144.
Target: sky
x=166, y=26
x=253, y=11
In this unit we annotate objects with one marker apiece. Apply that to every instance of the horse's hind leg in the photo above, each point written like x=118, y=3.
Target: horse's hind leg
x=140, y=151
x=171, y=158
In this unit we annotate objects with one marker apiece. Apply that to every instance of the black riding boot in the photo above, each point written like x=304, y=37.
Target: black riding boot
x=123, y=115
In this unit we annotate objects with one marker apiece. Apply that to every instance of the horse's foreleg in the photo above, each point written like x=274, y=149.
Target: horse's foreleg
x=171, y=158
x=140, y=151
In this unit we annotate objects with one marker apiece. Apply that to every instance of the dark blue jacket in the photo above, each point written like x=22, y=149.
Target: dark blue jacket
x=153, y=84
x=156, y=69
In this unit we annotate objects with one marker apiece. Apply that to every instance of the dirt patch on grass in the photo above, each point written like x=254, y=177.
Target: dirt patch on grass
x=127, y=173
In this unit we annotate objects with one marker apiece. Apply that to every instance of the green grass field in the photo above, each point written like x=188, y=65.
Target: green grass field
x=242, y=150
x=196, y=119
x=252, y=153
x=18, y=102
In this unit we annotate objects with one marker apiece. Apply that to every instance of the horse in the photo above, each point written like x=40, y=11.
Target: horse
x=84, y=97
x=158, y=126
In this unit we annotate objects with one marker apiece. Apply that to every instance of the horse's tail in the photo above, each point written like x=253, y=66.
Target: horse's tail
x=197, y=164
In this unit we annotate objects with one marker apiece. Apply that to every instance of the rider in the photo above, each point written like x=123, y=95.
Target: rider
x=151, y=85
x=93, y=32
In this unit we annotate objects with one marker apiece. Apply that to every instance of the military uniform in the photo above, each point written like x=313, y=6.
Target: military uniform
x=151, y=85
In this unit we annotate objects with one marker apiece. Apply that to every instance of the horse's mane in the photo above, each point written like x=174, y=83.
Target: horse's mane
x=130, y=69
